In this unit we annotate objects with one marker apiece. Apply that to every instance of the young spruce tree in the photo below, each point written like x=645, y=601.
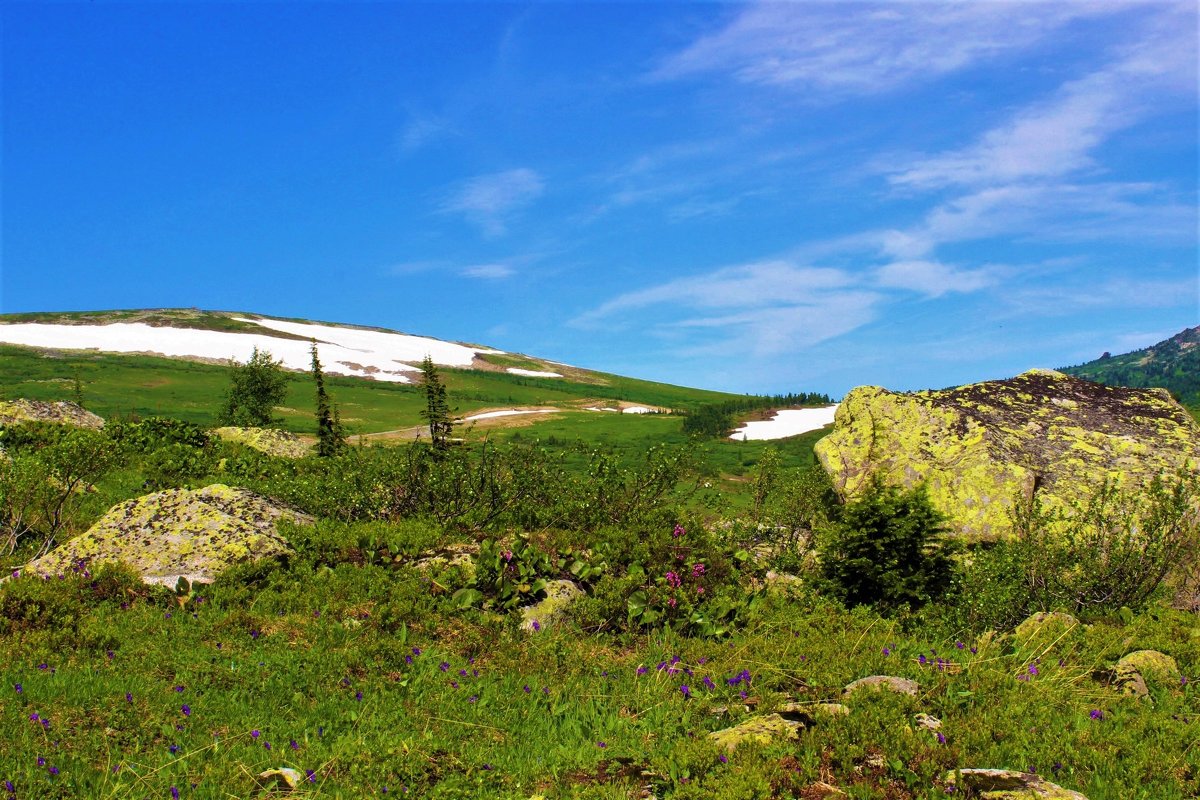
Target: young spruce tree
x=331, y=439
x=436, y=411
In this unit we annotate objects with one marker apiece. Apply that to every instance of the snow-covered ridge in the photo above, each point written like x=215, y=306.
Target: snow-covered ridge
x=343, y=351
x=788, y=422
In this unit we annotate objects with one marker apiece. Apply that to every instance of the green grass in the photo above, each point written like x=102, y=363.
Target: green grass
x=321, y=659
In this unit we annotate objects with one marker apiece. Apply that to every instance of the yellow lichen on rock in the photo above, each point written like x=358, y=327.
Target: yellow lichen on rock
x=21, y=411
x=266, y=440
x=179, y=532
x=979, y=448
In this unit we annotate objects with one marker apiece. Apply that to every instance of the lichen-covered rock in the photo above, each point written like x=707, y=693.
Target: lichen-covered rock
x=1141, y=667
x=885, y=682
x=764, y=730
x=1154, y=666
x=1004, y=784
x=176, y=533
x=552, y=608
x=17, y=412
x=979, y=448
x=266, y=440
x=1050, y=624
x=928, y=722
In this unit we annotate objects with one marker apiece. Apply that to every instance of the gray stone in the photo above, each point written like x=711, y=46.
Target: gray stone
x=886, y=682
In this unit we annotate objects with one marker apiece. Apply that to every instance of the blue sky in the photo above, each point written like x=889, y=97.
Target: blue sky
x=752, y=197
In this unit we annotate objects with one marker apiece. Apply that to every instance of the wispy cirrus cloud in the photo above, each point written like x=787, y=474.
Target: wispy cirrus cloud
x=761, y=309
x=489, y=200
x=867, y=48
x=489, y=272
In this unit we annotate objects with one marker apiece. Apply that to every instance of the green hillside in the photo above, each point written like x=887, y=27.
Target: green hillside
x=1173, y=364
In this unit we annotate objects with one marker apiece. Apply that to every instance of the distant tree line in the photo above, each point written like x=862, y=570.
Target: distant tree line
x=718, y=419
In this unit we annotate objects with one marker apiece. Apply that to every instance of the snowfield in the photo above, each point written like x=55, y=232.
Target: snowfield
x=533, y=373
x=509, y=412
x=343, y=351
x=788, y=422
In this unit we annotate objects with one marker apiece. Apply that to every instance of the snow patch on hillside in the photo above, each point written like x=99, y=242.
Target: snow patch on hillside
x=508, y=412
x=788, y=422
x=343, y=351
x=532, y=373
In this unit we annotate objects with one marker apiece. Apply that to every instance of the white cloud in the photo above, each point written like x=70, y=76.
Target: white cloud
x=490, y=199
x=932, y=278
x=489, y=271
x=762, y=309
x=422, y=129
x=868, y=47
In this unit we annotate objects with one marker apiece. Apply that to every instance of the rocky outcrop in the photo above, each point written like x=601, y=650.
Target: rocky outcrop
x=266, y=440
x=195, y=534
x=979, y=448
x=18, y=412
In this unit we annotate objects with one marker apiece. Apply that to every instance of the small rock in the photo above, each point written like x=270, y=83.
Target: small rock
x=832, y=709
x=1154, y=666
x=888, y=682
x=285, y=778
x=764, y=730
x=1004, y=784
x=552, y=609
x=928, y=722
x=1057, y=622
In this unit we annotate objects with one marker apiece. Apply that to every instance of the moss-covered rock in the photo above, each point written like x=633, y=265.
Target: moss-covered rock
x=1135, y=671
x=551, y=609
x=763, y=730
x=194, y=534
x=267, y=440
x=1048, y=624
x=20, y=411
x=979, y=448
x=1005, y=784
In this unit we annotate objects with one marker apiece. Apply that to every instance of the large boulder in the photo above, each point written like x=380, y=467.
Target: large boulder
x=195, y=534
x=20, y=411
x=979, y=448
x=1007, y=784
x=266, y=440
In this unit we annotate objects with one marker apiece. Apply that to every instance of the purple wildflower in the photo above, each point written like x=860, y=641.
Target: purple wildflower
x=601, y=744
x=678, y=532
x=685, y=691
x=173, y=749
x=358, y=696
x=312, y=776
x=472, y=698
x=19, y=689
x=53, y=770
x=445, y=665
x=526, y=688
x=174, y=793
x=724, y=759
x=642, y=670
x=708, y=683
x=416, y=651
x=254, y=734
x=293, y=745
x=941, y=737
x=537, y=626
x=1096, y=714
x=922, y=660
x=128, y=697
x=186, y=709
x=179, y=688
x=41, y=762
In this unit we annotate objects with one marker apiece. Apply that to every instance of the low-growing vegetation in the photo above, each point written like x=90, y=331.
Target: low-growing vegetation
x=400, y=647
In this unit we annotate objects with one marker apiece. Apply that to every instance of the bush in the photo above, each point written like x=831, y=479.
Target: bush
x=1118, y=549
x=887, y=550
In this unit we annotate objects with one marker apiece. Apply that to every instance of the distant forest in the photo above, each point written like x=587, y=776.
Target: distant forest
x=1173, y=365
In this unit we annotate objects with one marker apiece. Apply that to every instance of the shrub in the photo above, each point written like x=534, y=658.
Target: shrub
x=887, y=549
